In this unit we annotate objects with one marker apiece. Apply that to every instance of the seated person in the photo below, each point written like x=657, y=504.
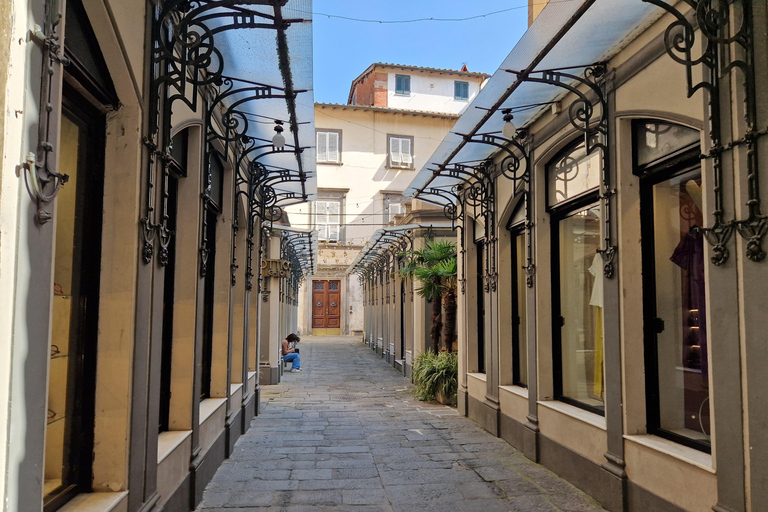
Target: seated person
x=291, y=354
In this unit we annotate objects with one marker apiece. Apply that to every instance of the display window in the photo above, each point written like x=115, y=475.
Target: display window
x=674, y=284
x=577, y=286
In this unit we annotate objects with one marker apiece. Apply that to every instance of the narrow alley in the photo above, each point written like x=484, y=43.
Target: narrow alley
x=347, y=434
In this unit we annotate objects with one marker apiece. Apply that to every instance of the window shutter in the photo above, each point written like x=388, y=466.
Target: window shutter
x=333, y=146
x=405, y=150
x=394, y=151
x=333, y=232
x=322, y=212
x=395, y=209
x=322, y=147
x=334, y=212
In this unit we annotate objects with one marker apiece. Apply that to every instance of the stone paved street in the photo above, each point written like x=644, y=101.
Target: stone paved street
x=347, y=434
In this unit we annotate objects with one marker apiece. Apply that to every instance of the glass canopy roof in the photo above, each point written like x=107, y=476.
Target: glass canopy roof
x=564, y=35
x=258, y=56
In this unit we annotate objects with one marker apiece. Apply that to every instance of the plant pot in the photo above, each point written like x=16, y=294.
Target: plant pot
x=443, y=398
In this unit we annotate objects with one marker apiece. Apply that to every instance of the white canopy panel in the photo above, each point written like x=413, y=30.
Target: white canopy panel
x=261, y=56
x=565, y=34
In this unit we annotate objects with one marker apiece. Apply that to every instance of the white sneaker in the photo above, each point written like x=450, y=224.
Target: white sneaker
x=296, y=370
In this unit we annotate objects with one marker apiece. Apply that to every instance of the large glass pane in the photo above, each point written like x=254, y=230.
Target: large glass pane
x=520, y=354
x=581, y=308
x=573, y=174
x=64, y=318
x=681, y=339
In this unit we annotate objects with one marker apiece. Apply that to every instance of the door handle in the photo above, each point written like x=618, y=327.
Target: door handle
x=658, y=325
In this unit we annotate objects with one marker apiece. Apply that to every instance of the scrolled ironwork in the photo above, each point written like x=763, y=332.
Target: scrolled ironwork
x=727, y=44
x=42, y=180
x=594, y=127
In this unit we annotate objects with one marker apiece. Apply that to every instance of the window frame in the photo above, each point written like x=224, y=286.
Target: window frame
x=515, y=231
x=390, y=164
x=340, y=202
x=80, y=409
x=338, y=133
x=565, y=203
x=480, y=264
x=674, y=164
x=556, y=217
x=465, y=84
x=403, y=91
x=559, y=212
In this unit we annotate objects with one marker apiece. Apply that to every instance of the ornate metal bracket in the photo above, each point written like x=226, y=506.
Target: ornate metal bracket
x=583, y=117
x=42, y=180
x=185, y=59
x=727, y=31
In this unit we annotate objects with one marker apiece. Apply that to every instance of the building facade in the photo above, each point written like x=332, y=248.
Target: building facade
x=613, y=250
x=367, y=152
x=135, y=192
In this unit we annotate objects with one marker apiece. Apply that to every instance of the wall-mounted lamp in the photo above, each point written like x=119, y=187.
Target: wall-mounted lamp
x=509, y=130
x=278, y=141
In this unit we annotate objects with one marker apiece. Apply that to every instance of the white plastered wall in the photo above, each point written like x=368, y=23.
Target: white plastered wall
x=433, y=92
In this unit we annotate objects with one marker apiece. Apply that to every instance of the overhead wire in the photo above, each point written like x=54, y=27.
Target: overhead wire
x=418, y=20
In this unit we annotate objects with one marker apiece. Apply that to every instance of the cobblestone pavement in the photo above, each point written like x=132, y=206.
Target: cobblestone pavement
x=347, y=434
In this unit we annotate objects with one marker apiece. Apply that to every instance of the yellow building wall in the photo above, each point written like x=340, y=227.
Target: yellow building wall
x=534, y=8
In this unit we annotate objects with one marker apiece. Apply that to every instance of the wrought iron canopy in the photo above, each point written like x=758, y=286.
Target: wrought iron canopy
x=299, y=246
x=385, y=245
x=547, y=45
x=242, y=64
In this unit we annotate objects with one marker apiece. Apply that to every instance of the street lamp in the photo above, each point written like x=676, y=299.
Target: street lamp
x=278, y=141
x=509, y=130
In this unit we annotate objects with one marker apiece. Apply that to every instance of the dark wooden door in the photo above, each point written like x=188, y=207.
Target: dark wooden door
x=326, y=308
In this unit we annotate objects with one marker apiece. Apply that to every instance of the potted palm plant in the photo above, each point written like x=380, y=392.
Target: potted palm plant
x=435, y=372
x=434, y=267
x=435, y=376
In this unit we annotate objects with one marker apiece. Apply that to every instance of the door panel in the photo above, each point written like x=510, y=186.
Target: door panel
x=319, y=304
x=326, y=308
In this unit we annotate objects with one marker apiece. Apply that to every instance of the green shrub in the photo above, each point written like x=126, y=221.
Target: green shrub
x=433, y=373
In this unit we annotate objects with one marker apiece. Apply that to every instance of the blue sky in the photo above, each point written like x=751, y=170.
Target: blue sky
x=344, y=49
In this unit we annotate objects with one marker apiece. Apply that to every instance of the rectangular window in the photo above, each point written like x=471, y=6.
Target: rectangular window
x=67, y=470
x=402, y=84
x=395, y=209
x=579, y=312
x=328, y=220
x=329, y=146
x=573, y=179
x=401, y=152
x=519, y=311
x=460, y=90
x=675, y=310
x=480, y=287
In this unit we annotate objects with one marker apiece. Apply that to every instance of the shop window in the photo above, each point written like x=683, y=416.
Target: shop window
x=480, y=288
x=519, y=313
x=175, y=172
x=212, y=211
x=674, y=286
x=329, y=146
x=75, y=306
x=403, y=84
x=577, y=284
